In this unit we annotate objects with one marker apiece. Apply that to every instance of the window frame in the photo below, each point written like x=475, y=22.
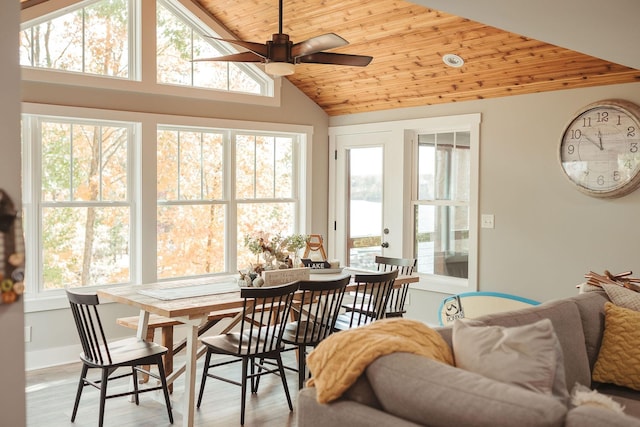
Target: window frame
x=463, y=123
x=143, y=182
x=36, y=15
x=145, y=61
x=439, y=201
x=403, y=134
x=185, y=16
x=39, y=205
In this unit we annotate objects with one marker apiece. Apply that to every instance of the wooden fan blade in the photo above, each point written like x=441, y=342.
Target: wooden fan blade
x=257, y=48
x=336, y=58
x=235, y=57
x=317, y=44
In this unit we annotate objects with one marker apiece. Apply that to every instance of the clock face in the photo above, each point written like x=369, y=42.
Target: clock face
x=600, y=149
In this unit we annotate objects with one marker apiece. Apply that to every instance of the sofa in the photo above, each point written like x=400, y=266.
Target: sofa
x=403, y=389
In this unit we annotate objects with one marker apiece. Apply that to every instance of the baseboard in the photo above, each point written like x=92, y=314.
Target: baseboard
x=55, y=356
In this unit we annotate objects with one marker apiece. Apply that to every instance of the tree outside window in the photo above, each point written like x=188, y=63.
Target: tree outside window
x=93, y=39
x=84, y=201
x=191, y=203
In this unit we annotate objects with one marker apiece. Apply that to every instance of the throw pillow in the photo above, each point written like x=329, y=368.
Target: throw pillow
x=529, y=356
x=618, y=361
x=622, y=296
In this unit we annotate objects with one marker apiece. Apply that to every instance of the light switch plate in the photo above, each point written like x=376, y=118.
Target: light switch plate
x=487, y=221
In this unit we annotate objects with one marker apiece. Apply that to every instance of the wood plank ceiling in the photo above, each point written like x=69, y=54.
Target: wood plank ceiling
x=407, y=42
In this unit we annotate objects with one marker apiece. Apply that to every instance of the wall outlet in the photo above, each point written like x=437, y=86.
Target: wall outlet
x=27, y=334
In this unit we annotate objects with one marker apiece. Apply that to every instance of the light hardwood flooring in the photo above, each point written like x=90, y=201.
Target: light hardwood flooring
x=50, y=394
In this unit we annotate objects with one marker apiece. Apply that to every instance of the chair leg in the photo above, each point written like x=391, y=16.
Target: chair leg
x=302, y=366
x=207, y=360
x=284, y=380
x=255, y=379
x=103, y=395
x=165, y=388
x=167, y=341
x=150, y=335
x=245, y=363
x=134, y=373
x=83, y=375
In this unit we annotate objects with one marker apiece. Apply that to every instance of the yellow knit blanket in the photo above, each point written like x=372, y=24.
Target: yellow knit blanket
x=338, y=361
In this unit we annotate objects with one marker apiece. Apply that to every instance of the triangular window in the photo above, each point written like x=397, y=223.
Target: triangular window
x=181, y=38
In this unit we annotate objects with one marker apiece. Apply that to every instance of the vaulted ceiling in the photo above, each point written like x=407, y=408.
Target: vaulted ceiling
x=407, y=42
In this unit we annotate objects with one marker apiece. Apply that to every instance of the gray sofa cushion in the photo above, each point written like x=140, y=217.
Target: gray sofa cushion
x=341, y=412
x=432, y=393
x=591, y=306
x=567, y=323
x=591, y=416
x=624, y=396
x=362, y=392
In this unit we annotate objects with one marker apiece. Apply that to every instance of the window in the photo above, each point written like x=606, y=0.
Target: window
x=153, y=197
x=195, y=212
x=264, y=187
x=192, y=205
x=429, y=198
x=94, y=38
x=81, y=200
x=442, y=206
x=107, y=38
x=180, y=41
x=114, y=197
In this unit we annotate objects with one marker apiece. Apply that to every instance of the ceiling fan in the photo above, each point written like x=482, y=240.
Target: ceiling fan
x=280, y=55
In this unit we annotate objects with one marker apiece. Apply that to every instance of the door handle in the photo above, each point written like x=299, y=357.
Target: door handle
x=385, y=244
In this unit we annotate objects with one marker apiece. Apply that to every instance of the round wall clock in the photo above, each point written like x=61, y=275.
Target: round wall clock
x=600, y=148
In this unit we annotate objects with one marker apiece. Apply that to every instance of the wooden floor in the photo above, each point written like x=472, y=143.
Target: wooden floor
x=51, y=392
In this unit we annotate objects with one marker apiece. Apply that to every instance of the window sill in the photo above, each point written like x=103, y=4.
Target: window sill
x=57, y=300
x=442, y=284
x=62, y=78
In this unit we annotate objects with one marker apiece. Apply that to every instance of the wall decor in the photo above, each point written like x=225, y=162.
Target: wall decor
x=600, y=148
x=11, y=250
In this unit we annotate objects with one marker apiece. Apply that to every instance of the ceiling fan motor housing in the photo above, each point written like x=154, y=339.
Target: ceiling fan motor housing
x=279, y=49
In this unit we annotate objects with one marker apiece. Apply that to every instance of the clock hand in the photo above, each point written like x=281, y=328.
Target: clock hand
x=600, y=139
x=593, y=142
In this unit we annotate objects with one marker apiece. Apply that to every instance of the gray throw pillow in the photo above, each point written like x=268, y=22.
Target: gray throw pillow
x=529, y=356
x=622, y=297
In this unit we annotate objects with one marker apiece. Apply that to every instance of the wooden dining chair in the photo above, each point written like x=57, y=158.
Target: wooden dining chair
x=368, y=302
x=98, y=353
x=317, y=307
x=398, y=296
x=265, y=313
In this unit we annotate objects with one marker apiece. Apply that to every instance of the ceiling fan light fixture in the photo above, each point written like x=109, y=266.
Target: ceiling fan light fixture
x=279, y=69
x=453, y=60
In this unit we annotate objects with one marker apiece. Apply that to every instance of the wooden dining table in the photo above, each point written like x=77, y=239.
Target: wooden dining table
x=193, y=311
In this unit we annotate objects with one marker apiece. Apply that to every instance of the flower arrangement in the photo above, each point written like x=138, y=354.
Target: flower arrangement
x=275, y=248
x=277, y=251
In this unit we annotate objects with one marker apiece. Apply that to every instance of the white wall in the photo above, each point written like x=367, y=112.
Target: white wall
x=547, y=234
x=12, y=401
